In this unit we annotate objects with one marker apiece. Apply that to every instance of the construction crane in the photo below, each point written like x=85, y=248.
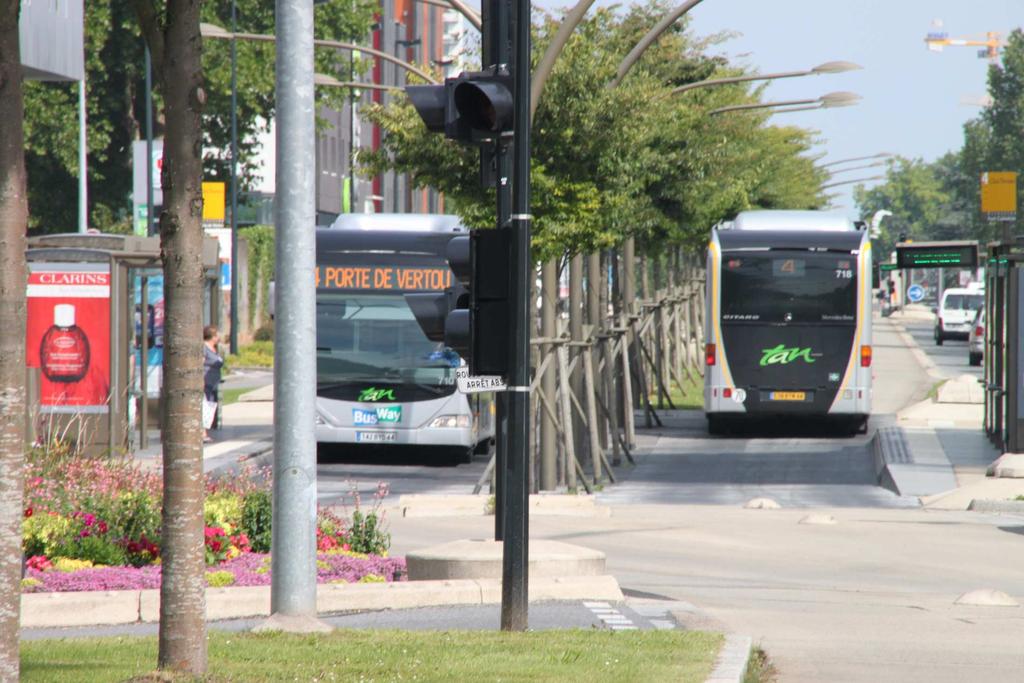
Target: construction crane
x=991, y=41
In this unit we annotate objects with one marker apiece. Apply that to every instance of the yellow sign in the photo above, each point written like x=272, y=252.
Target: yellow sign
x=999, y=192
x=213, y=203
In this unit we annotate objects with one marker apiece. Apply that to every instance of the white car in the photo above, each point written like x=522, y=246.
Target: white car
x=956, y=313
x=976, y=339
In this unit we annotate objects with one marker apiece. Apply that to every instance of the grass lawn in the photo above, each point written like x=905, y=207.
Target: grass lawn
x=231, y=395
x=255, y=355
x=690, y=398
x=370, y=655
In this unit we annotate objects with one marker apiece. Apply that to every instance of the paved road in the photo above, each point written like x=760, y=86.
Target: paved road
x=950, y=359
x=683, y=465
x=801, y=469
x=341, y=473
x=641, y=614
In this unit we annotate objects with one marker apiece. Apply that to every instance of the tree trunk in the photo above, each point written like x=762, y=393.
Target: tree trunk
x=177, y=50
x=13, y=283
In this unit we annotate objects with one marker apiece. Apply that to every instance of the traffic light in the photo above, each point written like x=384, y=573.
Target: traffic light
x=478, y=328
x=470, y=108
x=473, y=317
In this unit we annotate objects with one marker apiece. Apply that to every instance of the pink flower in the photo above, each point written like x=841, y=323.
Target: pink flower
x=38, y=562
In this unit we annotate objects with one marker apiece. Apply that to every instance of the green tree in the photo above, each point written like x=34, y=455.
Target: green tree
x=114, y=65
x=632, y=160
x=115, y=105
x=921, y=205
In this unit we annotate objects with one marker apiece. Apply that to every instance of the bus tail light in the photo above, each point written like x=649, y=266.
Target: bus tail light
x=865, y=356
x=709, y=354
x=727, y=393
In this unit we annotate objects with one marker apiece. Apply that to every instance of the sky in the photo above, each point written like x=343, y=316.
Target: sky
x=912, y=97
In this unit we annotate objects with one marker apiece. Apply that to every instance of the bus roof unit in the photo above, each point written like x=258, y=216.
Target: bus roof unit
x=400, y=222
x=790, y=220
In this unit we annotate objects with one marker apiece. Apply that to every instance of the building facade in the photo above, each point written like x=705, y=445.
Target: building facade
x=415, y=31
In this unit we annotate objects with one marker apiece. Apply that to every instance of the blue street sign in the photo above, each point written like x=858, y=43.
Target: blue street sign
x=915, y=293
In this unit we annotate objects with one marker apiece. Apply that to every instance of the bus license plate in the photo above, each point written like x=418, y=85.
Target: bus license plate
x=375, y=437
x=789, y=396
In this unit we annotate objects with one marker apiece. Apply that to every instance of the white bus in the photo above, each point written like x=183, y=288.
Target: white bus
x=789, y=319
x=380, y=381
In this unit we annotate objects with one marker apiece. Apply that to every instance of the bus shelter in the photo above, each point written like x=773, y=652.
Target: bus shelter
x=94, y=337
x=1004, y=345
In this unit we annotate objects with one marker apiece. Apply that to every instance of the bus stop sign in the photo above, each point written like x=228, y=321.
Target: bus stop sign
x=475, y=384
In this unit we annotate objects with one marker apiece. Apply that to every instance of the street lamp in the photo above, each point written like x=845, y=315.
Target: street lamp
x=851, y=182
x=218, y=33
x=826, y=68
x=876, y=221
x=880, y=155
x=332, y=82
x=832, y=99
x=856, y=168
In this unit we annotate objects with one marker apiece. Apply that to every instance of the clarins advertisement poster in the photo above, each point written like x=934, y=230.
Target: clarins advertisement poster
x=68, y=335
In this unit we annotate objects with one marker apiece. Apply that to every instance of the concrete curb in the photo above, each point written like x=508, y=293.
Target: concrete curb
x=1009, y=507
x=56, y=610
x=458, y=505
x=1007, y=466
x=920, y=356
x=889, y=447
x=482, y=559
x=733, y=659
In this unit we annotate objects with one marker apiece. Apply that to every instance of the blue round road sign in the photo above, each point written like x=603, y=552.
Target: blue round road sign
x=915, y=293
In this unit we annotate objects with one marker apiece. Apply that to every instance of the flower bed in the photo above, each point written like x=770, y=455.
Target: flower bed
x=94, y=524
x=248, y=569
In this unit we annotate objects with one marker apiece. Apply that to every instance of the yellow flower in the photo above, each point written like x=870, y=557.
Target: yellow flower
x=67, y=564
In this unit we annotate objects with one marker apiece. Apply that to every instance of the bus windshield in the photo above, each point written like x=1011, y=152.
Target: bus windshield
x=789, y=287
x=375, y=337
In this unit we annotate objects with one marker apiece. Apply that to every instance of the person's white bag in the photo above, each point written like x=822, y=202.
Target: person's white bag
x=209, y=411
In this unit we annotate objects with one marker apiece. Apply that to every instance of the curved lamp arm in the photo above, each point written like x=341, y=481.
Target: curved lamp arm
x=649, y=40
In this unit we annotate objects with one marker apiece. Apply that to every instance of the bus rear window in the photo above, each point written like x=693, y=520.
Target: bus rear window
x=789, y=287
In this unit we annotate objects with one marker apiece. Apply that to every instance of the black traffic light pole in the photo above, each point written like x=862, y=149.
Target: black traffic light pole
x=496, y=37
x=490, y=323
x=515, y=561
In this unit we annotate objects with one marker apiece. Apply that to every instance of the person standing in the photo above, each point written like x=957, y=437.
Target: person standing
x=212, y=363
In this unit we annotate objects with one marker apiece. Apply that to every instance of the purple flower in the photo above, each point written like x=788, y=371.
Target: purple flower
x=250, y=569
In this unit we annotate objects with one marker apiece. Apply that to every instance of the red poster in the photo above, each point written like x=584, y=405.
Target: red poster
x=68, y=335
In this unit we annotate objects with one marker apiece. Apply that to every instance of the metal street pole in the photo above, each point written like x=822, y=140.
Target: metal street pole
x=83, y=184
x=293, y=587
x=233, y=339
x=149, y=144
x=515, y=557
x=352, y=135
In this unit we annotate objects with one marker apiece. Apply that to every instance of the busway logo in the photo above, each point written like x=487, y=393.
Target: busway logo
x=374, y=394
x=382, y=415
x=782, y=355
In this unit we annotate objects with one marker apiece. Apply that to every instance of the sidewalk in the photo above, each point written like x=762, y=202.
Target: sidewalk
x=246, y=433
x=936, y=449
